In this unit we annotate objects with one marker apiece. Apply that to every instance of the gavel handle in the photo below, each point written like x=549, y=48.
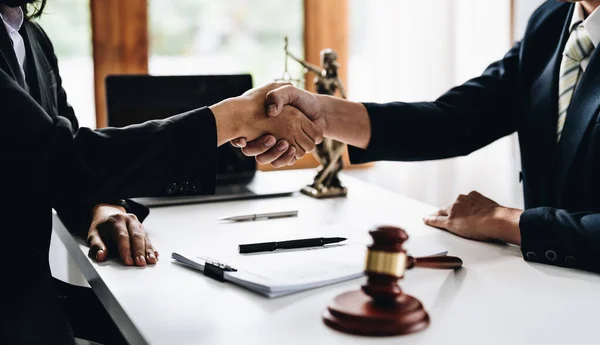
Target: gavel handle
x=440, y=262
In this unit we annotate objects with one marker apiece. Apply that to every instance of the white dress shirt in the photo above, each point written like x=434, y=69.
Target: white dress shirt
x=13, y=17
x=591, y=25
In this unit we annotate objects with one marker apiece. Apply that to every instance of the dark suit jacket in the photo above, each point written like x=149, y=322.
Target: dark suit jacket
x=561, y=223
x=47, y=162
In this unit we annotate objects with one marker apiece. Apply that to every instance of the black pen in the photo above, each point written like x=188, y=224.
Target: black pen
x=302, y=243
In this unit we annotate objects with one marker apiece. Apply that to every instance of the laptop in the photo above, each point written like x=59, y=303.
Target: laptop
x=133, y=99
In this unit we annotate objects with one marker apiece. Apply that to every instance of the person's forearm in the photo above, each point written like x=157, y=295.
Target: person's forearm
x=508, y=224
x=226, y=122
x=346, y=121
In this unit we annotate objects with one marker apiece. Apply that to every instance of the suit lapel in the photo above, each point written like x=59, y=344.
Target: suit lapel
x=582, y=110
x=8, y=58
x=34, y=80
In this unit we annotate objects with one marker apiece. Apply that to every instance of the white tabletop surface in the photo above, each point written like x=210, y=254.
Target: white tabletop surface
x=497, y=298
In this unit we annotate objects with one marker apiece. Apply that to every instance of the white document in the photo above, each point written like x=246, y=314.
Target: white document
x=280, y=273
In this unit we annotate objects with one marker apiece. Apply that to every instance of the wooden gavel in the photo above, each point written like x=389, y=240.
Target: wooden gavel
x=387, y=255
x=382, y=308
x=440, y=262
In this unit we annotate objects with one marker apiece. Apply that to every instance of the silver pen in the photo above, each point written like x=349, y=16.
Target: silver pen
x=271, y=215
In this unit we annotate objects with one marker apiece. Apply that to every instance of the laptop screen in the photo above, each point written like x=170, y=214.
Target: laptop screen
x=133, y=99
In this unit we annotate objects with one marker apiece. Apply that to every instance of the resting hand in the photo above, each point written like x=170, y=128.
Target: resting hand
x=112, y=225
x=308, y=103
x=476, y=217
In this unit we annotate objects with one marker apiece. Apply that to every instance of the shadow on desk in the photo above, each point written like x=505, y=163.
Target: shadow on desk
x=449, y=289
x=474, y=251
x=564, y=272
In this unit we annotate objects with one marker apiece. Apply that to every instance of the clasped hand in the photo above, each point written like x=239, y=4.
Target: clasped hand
x=290, y=134
x=278, y=101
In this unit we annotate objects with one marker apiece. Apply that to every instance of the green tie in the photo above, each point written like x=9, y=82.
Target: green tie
x=579, y=46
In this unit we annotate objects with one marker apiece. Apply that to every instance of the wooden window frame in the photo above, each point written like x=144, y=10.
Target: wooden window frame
x=119, y=44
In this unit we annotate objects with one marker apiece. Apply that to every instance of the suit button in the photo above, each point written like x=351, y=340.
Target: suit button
x=171, y=188
x=531, y=256
x=184, y=186
x=570, y=260
x=196, y=186
x=551, y=255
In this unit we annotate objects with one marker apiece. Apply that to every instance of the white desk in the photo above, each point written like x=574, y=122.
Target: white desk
x=497, y=298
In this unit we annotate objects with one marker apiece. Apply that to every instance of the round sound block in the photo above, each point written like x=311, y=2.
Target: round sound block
x=354, y=312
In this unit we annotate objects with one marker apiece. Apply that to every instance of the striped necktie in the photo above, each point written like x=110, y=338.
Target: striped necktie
x=578, y=47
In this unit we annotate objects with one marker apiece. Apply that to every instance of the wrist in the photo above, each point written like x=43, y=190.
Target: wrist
x=226, y=120
x=507, y=223
x=326, y=113
x=100, y=208
x=346, y=121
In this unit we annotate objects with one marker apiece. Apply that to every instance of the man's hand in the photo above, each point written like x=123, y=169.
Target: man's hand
x=276, y=100
x=112, y=224
x=476, y=217
x=339, y=119
x=308, y=103
x=245, y=116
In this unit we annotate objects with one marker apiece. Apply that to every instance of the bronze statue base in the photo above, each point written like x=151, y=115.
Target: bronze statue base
x=324, y=192
x=355, y=313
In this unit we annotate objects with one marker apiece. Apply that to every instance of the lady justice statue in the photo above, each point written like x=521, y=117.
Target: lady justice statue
x=329, y=152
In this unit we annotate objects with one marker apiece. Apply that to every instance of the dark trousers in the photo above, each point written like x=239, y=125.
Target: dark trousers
x=86, y=314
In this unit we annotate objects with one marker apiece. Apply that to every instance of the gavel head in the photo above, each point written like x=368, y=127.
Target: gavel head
x=385, y=263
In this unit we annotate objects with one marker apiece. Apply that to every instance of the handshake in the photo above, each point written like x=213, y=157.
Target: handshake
x=277, y=123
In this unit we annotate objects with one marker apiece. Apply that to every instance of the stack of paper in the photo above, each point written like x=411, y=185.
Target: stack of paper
x=279, y=273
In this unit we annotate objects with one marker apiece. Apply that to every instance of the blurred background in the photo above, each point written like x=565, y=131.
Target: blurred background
x=390, y=50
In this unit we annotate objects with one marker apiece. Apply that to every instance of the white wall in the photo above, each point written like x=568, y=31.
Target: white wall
x=522, y=10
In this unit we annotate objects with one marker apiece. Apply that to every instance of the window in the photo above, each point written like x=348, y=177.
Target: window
x=67, y=23
x=224, y=37
x=415, y=51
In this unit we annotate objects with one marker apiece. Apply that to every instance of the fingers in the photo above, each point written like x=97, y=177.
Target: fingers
x=128, y=235
x=98, y=249
x=262, y=145
x=442, y=212
x=120, y=235
x=239, y=143
x=312, y=131
x=290, y=95
x=298, y=145
x=288, y=158
x=303, y=145
x=306, y=139
x=437, y=221
x=151, y=252
x=273, y=153
x=138, y=240
x=279, y=97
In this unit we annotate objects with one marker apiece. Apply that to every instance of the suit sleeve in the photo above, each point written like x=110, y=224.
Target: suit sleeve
x=558, y=237
x=461, y=121
x=45, y=156
x=75, y=215
x=176, y=156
